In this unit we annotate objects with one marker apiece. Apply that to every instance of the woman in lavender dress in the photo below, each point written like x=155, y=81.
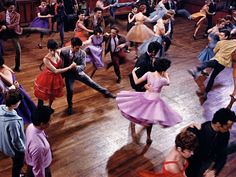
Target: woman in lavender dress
x=147, y=108
x=8, y=81
x=94, y=49
x=42, y=19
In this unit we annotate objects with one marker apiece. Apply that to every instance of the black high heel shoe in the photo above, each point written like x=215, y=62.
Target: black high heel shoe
x=194, y=37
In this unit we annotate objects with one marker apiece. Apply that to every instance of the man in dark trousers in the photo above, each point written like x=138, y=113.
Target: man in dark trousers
x=213, y=136
x=10, y=29
x=115, y=44
x=145, y=63
x=75, y=54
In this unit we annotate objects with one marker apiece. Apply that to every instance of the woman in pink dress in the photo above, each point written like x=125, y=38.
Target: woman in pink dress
x=147, y=108
x=49, y=84
x=176, y=161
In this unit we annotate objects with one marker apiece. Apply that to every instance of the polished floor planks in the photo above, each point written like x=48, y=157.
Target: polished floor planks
x=95, y=141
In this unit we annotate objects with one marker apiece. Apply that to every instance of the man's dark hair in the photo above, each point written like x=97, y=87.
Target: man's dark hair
x=115, y=28
x=12, y=97
x=226, y=32
x=75, y=41
x=97, y=9
x=41, y=114
x=228, y=17
x=223, y=115
x=154, y=47
x=9, y=3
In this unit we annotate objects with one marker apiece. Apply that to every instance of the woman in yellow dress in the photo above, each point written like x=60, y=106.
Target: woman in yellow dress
x=200, y=16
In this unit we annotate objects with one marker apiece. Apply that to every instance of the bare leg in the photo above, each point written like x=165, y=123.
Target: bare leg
x=94, y=70
x=149, y=130
x=50, y=102
x=132, y=127
x=199, y=24
x=41, y=40
x=232, y=96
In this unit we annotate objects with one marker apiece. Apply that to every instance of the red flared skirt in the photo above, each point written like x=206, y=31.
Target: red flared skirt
x=48, y=86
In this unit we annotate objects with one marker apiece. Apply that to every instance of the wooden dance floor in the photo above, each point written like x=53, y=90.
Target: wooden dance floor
x=95, y=141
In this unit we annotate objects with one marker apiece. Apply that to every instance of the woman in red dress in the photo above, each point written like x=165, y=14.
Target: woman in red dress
x=49, y=83
x=176, y=161
x=80, y=30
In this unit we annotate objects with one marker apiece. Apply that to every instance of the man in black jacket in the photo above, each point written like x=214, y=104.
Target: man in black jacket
x=145, y=63
x=210, y=156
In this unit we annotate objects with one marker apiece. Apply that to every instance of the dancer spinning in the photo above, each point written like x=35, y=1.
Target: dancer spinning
x=201, y=16
x=42, y=19
x=49, y=84
x=161, y=35
x=160, y=10
x=75, y=54
x=147, y=108
x=140, y=32
x=80, y=30
x=233, y=95
x=223, y=58
x=176, y=161
x=213, y=38
x=94, y=49
x=10, y=29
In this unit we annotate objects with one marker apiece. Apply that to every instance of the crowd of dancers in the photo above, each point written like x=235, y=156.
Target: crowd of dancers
x=200, y=149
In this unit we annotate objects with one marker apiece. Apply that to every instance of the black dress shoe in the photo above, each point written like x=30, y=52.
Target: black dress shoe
x=109, y=95
x=69, y=111
x=16, y=69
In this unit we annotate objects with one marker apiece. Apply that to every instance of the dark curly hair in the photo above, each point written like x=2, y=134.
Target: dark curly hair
x=41, y=114
x=52, y=44
x=162, y=64
x=223, y=115
x=186, y=140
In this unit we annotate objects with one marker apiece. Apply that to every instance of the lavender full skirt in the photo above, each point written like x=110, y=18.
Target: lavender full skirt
x=94, y=55
x=136, y=107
